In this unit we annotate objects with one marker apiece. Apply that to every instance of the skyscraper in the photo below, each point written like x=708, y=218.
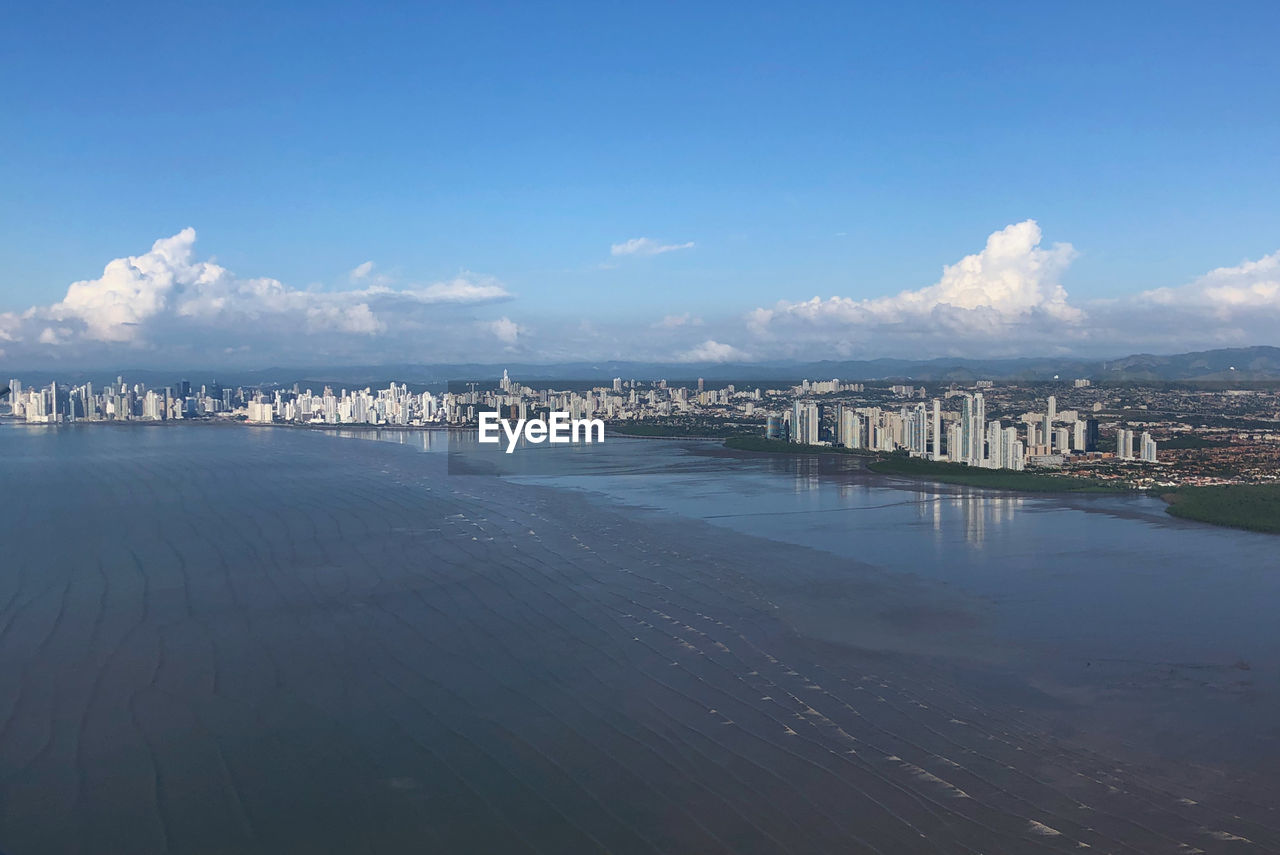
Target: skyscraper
x=937, y=429
x=1091, y=435
x=995, y=437
x=806, y=417
x=1124, y=444
x=849, y=432
x=977, y=430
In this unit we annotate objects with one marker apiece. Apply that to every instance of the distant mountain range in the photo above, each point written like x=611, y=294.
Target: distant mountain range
x=1239, y=364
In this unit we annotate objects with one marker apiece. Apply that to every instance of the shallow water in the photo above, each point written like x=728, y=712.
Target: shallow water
x=263, y=640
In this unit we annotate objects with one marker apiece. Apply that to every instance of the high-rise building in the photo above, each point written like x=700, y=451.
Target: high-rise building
x=1091, y=435
x=977, y=430
x=918, y=431
x=1010, y=449
x=849, y=431
x=937, y=429
x=1124, y=444
x=1061, y=441
x=1147, y=447
x=995, y=444
x=806, y=417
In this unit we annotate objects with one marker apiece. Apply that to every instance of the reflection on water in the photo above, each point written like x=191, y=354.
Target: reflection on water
x=976, y=511
x=806, y=477
x=1082, y=577
x=423, y=440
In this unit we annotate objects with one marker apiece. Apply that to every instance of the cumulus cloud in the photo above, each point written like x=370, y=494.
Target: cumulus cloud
x=506, y=330
x=713, y=351
x=1010, y=290
x=646, y=246
x=10, y=323
x=168, y=298
x=1228, y=306
x=1228, y=292
x=170, y=306
x=1009, y=299
x=131, y=290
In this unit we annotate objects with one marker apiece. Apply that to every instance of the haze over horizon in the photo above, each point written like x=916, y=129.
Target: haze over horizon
x=500, y=184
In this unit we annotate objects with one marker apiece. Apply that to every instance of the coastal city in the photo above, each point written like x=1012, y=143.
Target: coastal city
x=1143, y=436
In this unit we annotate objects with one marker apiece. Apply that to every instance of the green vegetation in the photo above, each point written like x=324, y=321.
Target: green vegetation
x=998, y=479
x=699, y=428
x=1191, y=441
x=1255, y=507
x=778, y=446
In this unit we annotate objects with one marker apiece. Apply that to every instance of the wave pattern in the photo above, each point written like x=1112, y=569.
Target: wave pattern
x=296, y=644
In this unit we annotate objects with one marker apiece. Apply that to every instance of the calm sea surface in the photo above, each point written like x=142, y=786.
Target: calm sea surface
x=228, y=639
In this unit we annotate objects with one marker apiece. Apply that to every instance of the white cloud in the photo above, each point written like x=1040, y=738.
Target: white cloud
x=1227, y=292
x=1009, y=291
x=133, y=289
x=10, y=324
x=646, y=246
x=713, y=351
x=168, y=300
x=506, y=330
x=465, y=288
x=358, y=319
x=1226, y=307
x=169, y=305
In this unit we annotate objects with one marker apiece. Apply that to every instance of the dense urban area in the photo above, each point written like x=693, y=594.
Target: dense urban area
x=1144, y=436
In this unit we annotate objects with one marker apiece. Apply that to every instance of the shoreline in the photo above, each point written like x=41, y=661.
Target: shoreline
x=1243, y=507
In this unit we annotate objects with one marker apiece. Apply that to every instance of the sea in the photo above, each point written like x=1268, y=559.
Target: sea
x=227, y=639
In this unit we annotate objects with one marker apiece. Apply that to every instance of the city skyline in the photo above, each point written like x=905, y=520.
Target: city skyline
x=808, y=417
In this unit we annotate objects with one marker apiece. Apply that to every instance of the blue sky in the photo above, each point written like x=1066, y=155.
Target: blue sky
x=830, y=150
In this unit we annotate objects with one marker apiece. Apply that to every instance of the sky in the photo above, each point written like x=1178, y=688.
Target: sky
x=305, y=183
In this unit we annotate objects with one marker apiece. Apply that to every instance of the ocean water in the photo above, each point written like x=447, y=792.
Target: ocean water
x=232, y=639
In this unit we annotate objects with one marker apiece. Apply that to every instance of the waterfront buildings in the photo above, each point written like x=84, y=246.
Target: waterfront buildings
x=953, y=427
